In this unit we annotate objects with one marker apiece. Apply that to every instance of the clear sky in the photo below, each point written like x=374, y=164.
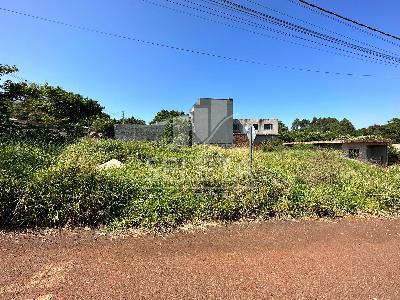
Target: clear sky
x=139, y=79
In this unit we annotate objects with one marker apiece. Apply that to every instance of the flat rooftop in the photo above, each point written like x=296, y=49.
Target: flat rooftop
x=338, y=142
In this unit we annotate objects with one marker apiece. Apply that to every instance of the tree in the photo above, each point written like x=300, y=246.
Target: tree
x=300, y=124
x=346, y=127
x=282, y=127
x=6, y=69
x=319, y=129
x=132, y=120
x=323, y=124
x=4, y=102
x=166, y=115
x=103, y=125
x=392, y=130
x=49, y=105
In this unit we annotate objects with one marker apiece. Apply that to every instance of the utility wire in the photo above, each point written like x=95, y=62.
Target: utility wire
x=233, y=18
x=329, y=39
x=350, y=20
x=374, y=60
x=282, y=23
x=317, y=26
x=186, y=50
x=344, y=23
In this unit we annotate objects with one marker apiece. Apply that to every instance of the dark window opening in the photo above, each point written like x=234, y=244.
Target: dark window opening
x=255, y=126
x=354, y=153
x=236, y=127
x=268, y=126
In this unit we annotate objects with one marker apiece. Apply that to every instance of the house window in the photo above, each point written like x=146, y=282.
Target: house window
x=354, y=153
x=268, y=127
x=236, y=127
x=255, y=126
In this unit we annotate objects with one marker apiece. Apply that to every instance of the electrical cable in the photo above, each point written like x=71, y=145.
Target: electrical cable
x=350, y=20
x=186, y=50
x=374, y=60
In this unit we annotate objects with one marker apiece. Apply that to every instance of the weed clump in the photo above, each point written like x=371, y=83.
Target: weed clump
x=163, y=186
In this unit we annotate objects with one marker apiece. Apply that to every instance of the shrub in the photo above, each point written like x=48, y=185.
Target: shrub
x=104, y=126
x=163, y=186
x=274, y=144
x=394, y=155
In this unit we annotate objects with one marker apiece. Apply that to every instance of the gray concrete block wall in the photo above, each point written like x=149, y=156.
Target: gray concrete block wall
x=138, y=132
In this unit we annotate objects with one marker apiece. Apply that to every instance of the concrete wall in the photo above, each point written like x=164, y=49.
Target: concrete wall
x=212, y=121
x=239, y=125
x=373, y=152
x=378, y=154
x=138, y=132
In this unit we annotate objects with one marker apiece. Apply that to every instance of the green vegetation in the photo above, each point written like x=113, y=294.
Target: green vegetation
x=161, y=186
x=318, y=129
x=166, y=115
x=48, y=177
x=391, y=130
x=44, y=108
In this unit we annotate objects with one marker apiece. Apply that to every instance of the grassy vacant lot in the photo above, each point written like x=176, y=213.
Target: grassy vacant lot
x=160, y=187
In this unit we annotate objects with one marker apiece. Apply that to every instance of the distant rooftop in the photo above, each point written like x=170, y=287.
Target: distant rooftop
x=354, y=141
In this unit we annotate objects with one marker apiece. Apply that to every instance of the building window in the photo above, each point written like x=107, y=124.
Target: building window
x=354, y=153
x=268, y=126
x=236, y=127
x=255, y=126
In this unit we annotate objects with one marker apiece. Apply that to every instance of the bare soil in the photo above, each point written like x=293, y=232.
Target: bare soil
x=357, y=258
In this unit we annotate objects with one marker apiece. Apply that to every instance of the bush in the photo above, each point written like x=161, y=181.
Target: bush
x=394, y=155
x=274, y=144
x=163, y=186
x=104, y=126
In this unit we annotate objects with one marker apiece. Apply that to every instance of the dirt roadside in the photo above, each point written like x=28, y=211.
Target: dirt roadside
x=356, y=258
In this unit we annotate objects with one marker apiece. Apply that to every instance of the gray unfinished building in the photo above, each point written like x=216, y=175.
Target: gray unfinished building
x=212, y=121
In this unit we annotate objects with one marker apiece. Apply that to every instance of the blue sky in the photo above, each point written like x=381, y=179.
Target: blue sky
x=140, y=79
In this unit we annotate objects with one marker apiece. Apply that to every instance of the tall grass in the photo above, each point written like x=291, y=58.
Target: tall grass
x=162, y=186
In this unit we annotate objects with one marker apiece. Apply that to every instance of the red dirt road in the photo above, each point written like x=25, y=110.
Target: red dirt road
x=349, y=258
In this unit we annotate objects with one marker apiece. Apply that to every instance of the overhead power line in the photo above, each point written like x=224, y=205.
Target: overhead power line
x=168, y=46
x=234, y=18
x=282, y=23
x=343, y=22
x=316, y=26
x=371, y=60
x=350, y=20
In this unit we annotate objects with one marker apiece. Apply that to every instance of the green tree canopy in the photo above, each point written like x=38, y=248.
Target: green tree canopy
x=4, y=103
x=166, y=115
x=49, y=105
x=391, y=130
x=326, y=128
x=300, y=124
x=6, y=69
x=346, y=127
x=282, y=127
x=132, y=120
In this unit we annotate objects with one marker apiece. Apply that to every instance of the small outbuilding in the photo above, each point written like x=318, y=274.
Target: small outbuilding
x=367, y=150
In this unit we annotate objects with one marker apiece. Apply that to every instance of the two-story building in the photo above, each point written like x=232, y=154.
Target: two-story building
x=265, y=129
